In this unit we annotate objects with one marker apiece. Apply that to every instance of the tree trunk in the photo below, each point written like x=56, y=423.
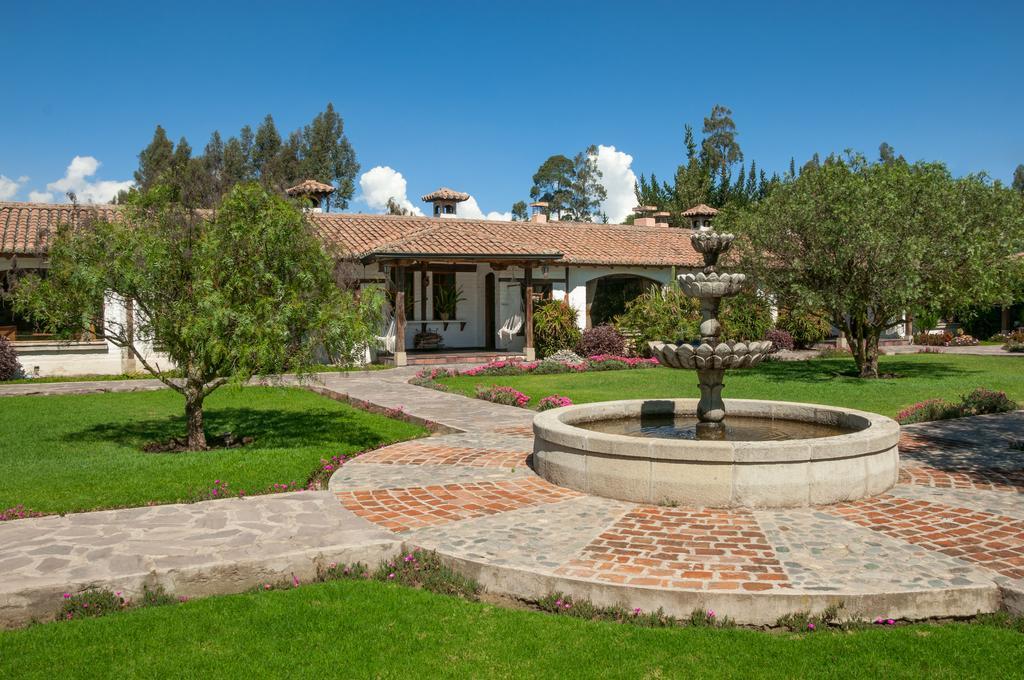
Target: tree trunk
x=864, y=347
x=194, y=416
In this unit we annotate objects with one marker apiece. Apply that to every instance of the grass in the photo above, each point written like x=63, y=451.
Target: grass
x=823, y=381
x=372, y=629
x=82, y=452
x=322, y=368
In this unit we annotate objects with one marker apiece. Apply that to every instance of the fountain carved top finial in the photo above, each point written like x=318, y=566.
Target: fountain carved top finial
x=711, y=244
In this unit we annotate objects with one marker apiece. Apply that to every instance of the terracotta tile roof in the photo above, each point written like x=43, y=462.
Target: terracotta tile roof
x=444, y=194
x=26, y=227
x=309, y=186
x=700, y=211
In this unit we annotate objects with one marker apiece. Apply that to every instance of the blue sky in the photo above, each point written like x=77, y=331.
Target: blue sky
x=475, y=95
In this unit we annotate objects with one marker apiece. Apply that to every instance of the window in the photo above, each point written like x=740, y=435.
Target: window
x=444, y=295
x=409, y=286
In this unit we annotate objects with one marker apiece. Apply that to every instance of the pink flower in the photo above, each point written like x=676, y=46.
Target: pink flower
x=295, y=581
x=810, y=626
x=636, y=611
x=67, y=596
x=266, y=586
x=332, y=565
x=391, y=575
x=891, y=622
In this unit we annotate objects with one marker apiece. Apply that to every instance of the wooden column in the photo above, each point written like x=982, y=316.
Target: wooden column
x=528, y=349
x=400, y=357
x=908, y=328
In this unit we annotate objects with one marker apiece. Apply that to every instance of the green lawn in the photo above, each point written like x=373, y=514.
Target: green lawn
x=822, y=381
x=74, y=453
x=372, y=629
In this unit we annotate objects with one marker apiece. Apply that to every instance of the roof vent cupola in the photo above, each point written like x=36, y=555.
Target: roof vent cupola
x=445, y=200
x=314, y=193
x=700, y=216
x=645, y=215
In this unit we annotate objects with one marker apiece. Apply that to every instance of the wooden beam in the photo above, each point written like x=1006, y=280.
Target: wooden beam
x=529, y=351
x=400, y=357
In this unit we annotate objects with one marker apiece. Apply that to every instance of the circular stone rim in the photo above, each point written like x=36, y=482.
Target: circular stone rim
x=874, y=434
x=718, y=474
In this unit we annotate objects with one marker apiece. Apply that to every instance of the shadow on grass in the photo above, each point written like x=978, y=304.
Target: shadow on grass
x=271, y=429
x=824, y=370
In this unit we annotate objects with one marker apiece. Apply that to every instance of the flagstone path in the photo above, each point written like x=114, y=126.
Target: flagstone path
x=948, y=540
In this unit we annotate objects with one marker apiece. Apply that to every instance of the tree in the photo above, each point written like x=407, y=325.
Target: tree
x=242, y=291
x=587, y=191
x=266, y=146
x=553, y=183
x=867, y=242
x=693, y=181
x=327, y=156
x=520, y=213
x=1018, y=179
x=393, y=207
x=154, y=160
x=720, y=150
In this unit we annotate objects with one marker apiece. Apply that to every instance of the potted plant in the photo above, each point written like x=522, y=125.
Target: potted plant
x=447, y=300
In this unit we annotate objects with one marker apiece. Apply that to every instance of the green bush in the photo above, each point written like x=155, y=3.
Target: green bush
x=555, y=327
x=806, y=327
x=746, y=316
x=660, y=314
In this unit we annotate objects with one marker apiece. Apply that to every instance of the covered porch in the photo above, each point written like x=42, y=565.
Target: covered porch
x=463, y=309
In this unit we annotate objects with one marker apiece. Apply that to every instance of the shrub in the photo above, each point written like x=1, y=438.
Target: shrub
x=502, y=395
x=978, y=402
x=1014, y=342
x=780, y=339
x=982, y=401
x=18, y=512
x=555, y=327
x=962, y=339
x=806, y=328
x=553, y=401
x=91, y=603
x=603, y=339
x=565, y=357
x=10, y=367
x=660, y=314
x=746, y=316
x=924, y=411
x=550, y=367
x=934, y=339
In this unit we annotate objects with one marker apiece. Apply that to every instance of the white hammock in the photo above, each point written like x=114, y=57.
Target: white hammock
x=387, y=340
x=512, y=325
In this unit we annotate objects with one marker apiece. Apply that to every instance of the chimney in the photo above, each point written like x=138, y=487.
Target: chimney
x=661, y=218
x=445, y=200
x=645, y=215
x=539, y=211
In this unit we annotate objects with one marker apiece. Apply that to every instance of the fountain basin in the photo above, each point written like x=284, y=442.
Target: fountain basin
x=862, y=461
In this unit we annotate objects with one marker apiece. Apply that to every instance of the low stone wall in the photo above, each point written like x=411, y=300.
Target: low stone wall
x=763, y=474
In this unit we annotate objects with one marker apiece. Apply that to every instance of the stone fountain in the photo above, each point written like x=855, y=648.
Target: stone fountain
x=711, y=357
x=686, y=452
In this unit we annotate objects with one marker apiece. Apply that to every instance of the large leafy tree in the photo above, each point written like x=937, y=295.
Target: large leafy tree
x=327, y=155
x=154, y=160
x=245, y=290
x=1018, y=179
x=571, y=186
x=869, y=241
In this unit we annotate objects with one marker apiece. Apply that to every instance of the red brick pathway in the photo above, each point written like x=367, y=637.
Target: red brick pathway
x=416, y=507
x=981, y=479
x=682, y=548
x=994, y=541
x=423, y=453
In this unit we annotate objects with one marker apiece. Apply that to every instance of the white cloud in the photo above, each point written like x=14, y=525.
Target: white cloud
x=618, y=180
x=76, y=179
x=380, y=183
x=40, y=196
x=9, y=187
x=471, y=210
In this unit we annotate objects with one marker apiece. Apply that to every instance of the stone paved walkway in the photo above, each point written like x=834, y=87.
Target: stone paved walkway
x=947, y=540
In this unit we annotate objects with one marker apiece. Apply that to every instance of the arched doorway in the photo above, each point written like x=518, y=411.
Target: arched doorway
x=608, y=296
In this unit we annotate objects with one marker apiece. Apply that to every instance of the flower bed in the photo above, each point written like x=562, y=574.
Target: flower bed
x=509, y=396
x=978, y=402
x=598, y=362
x=946, y=339
x=553, y=401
